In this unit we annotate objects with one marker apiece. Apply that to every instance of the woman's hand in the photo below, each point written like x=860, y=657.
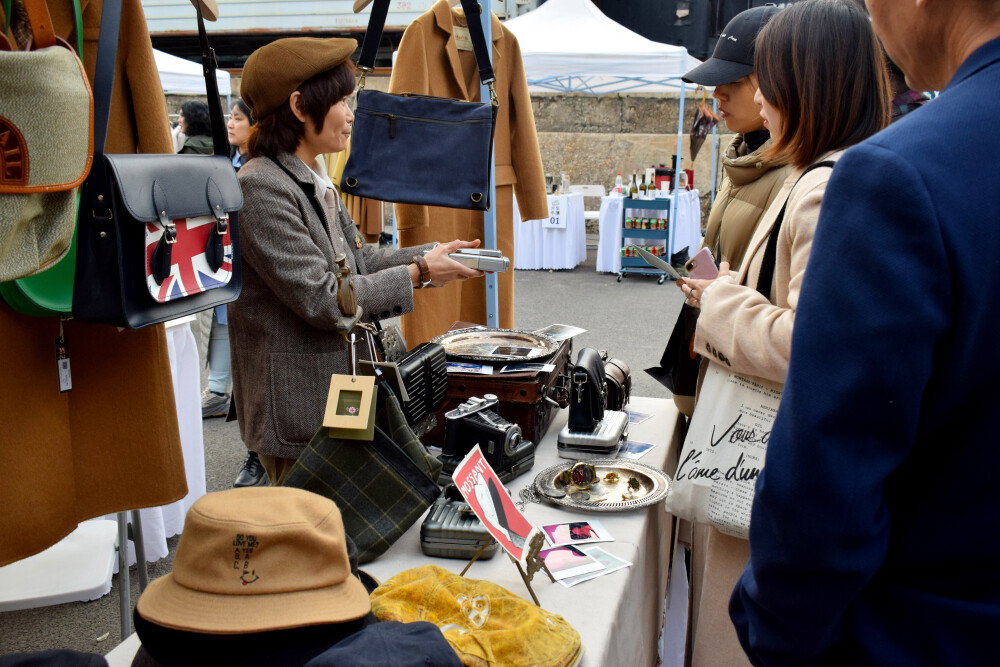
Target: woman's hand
x=693, y=288
x=444, y=269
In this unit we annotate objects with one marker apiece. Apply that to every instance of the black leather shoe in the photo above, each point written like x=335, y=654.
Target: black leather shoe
x=252, y=473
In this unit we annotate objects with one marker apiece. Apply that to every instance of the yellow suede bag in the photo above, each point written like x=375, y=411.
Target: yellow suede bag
x=487, y=625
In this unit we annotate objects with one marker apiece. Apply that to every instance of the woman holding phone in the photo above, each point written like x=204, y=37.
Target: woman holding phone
x=823, y=87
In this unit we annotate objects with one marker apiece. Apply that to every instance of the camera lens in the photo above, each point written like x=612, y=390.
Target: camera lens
x=513, y=439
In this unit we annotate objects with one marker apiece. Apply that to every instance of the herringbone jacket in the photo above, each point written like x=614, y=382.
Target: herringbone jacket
x=285, y=330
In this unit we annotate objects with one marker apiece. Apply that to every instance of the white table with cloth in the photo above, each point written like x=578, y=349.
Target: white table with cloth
x=620, y=615
x=686, y=231
x=560, y=242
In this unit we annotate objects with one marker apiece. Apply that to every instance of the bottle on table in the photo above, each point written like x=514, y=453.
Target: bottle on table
x=619, y=186
x=633, y=188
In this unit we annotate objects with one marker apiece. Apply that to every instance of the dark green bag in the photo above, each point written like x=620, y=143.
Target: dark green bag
x=382, y=487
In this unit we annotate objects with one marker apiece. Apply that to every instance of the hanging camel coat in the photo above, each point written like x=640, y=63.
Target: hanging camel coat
x=430, y=63
x=111, y=443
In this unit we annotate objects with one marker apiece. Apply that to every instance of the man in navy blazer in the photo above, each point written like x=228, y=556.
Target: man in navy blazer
x=875, y=537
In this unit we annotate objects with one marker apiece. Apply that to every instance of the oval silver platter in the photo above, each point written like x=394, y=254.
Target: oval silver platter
x=488, y=345
x=604, y=496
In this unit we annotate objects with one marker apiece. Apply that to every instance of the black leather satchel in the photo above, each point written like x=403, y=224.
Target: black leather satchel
x=158, y=236
x=417, y=149
x=587, y=397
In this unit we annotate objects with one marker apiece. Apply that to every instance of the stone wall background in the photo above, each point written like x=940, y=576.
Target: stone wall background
x=595, y=137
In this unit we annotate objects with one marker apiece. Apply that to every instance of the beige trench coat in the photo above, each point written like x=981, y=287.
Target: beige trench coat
x=111, y=443
x=754, y=334
x=429, y=63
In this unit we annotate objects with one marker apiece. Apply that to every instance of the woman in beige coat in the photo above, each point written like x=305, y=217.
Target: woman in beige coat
x=816, y=100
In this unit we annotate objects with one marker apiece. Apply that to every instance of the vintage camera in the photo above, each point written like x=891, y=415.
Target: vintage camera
x=476, y=422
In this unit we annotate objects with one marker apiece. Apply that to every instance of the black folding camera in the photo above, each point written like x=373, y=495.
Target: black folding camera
x=476, y=422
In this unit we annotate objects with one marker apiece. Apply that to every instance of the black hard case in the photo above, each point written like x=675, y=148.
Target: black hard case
x=424, y=371
x=450, y=532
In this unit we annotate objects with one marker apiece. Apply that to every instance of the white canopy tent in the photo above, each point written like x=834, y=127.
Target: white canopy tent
x=570, y=46
x=183, y=77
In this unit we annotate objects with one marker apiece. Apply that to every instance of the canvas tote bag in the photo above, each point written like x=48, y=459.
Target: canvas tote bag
x=726, y=442
x=46, y=146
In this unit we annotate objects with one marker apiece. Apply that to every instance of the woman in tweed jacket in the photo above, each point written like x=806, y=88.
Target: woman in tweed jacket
x=287, y=332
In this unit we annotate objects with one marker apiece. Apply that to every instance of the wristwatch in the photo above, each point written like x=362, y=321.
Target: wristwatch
x=425, y=271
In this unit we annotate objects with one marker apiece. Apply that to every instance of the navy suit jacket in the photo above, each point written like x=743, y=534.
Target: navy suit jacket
x=875, y=535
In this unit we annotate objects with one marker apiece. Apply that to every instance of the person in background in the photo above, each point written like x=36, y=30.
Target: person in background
x=751, y=176
x=196, y=126
x=287, y=329
x=823, y=87
x=875, y=537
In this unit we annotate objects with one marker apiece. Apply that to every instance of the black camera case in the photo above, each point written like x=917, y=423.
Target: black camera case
x=587, y=397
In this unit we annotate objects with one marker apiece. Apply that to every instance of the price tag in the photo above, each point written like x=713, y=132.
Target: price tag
x=556, y=218
x=463, y=40
x=62, y=364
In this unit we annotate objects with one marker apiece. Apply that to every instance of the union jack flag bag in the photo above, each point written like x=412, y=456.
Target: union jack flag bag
x=157, y=235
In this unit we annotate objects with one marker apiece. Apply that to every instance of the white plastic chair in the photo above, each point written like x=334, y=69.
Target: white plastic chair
x=589, y=191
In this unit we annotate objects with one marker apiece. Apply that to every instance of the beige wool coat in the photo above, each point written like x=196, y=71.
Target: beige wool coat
x=754, y=335
x=111, y=443
x=429, y=63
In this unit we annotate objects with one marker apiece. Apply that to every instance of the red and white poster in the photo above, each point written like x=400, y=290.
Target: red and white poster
x=486, y=494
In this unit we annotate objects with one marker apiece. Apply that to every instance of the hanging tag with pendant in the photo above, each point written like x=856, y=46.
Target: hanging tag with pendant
x=62, y=362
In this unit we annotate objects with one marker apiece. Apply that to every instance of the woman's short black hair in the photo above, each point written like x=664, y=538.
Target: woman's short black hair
x=280, y=131
x=196, y=117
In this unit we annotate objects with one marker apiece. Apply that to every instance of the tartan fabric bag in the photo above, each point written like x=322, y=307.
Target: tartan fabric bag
x=382, y=487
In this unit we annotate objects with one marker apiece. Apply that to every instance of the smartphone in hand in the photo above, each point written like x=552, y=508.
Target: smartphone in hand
x=702, y=266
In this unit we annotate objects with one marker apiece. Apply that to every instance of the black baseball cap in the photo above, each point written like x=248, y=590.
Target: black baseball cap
x=733, y=56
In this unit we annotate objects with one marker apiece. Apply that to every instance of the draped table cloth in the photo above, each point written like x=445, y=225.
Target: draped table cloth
x=557, y=243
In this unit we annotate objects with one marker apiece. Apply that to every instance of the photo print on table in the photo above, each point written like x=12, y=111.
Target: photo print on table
x=576, y=532
x=566, y=562
x=610, y=562
x=527, y=368
x=634, y=450
x=559, y=332
x=464, y=367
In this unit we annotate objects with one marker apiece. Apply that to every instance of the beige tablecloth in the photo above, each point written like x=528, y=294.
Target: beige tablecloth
x=619, y=615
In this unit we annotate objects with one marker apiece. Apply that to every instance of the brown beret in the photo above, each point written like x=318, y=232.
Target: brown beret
x=273, y=72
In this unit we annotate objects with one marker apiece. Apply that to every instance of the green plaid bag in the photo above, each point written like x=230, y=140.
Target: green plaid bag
x=381, y=487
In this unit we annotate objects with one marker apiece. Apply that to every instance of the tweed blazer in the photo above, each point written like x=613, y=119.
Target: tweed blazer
x=285, y=330
x=738, y=327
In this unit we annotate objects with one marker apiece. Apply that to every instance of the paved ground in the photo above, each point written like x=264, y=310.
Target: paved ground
x=631, y=320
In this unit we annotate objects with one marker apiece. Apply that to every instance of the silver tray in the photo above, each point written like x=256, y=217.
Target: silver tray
x=478, y=344
x=604, y=496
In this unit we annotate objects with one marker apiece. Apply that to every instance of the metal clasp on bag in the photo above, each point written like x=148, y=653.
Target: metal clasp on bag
x=222, y=223
x=364, y=75
x=169, y=229
x=579, y=379
x=493, y=92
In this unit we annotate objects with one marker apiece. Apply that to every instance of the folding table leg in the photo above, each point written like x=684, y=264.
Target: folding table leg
x=140, y=549
x=124, y=603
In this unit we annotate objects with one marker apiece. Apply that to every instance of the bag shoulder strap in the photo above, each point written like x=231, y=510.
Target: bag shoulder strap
x=42, y=33
x=376, y=22
x=766, y=277
x=104, y=79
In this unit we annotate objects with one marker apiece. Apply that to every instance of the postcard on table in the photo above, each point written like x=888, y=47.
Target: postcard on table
x=511, y=351
x=636, y=417
x=566, y=562
x=634, y=450
x=576, y=533
x=610, y=562
x=463, y=367
x=528, y=368
x=488, y=498
x=561, y=331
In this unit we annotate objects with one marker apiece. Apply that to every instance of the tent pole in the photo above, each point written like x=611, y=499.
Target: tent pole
x=715, y=108
x=490, y=217
x=672, y=226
